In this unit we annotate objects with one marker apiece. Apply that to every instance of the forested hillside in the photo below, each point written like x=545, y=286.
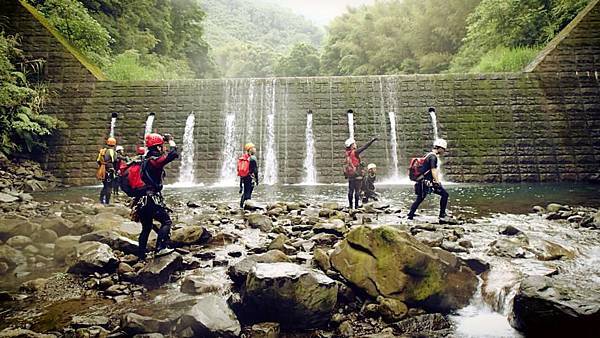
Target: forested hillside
x=248, y=38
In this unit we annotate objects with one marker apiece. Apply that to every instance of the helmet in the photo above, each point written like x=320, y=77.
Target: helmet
x=440, y=142
x=349, y=142
x=111, y=141
x=140, y=150
x=248, y=146
x=371, y=166
x=154, y=140
x=119, y=148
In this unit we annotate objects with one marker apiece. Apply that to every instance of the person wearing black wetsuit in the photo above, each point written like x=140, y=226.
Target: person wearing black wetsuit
x=354, y=170
x=152, y=206
x=430, y=183
x=247, y=182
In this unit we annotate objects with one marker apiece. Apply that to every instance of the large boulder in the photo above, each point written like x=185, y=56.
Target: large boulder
x=205, y=281
x=334, y=226
x=547, y=307
x=210, y=317
x=64, y=246
x=61, y=226
x=387, y=262
x=189, y=235
x=90, y=257
x=112, y=239
x=11, y=257
x=241, y=269
x=158, y=271
x=258, y=221
x=132, y=324
x=290, y=294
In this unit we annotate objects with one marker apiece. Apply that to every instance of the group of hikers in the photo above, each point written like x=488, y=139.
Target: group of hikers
x=142, y=179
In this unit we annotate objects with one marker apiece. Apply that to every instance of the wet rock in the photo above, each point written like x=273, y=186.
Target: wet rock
x=258, y=221
x=550, y=251
x=555, y=207
x=44, y=236
x=426, y=325
x=264, y=330
x=538, y=209
x=477, y=265
x=149, y=335
x=4, y=268
x=240, y=270
x=22, y=333
x=210, y=317
x=19, y=242
x=575, y=219
x=321, y=259
x=387, y=262
x=334, y=226
x=158, y=270
x=290, y=294
x=204, y=282
x=466, y=244
x=346, y=329
x=61, y=226
x=254, y=206
x=392, y=310
x=513, y=247
x=190, y=235
x=132, y=323
x=112, y=239
x=453, y=247
x=11, y=256
x=124, y=268
x=87, y=321
x=324, y=239
x=278, y=243
x=547, y=307
x=106, y=220
x=332, y=206
x=64, y=246
x=6, y=198
x=510, y=231
x=90, y=257
x=34, y=285
x=192, y=204
x=430, y=238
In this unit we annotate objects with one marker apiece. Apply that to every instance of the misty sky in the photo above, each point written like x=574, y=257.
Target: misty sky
x=320, y=11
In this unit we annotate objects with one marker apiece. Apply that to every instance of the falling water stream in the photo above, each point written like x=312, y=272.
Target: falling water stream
x=310, y=171
x=149, y=123
x=393, y=145
x=351, y=124
x=270, y=173
x=434, y=123
x=113, y=123
x=186, y=171
x=228, y=167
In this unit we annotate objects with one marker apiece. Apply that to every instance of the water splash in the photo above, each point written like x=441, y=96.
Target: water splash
x=434, y=123
x=393, y=145
x=228, y=168
x=309, y=161
x=270, y=173
x=186, y=171
x=250, y=111
x=149, y=123
x=113, y=123
x=351, y=123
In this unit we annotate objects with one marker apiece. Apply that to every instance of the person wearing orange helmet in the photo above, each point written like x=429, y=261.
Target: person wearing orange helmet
x=248, y=172
x=151, y=206
x=107, y=168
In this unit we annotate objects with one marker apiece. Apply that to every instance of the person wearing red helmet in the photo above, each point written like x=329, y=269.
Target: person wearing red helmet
x=152, y=206
x=107, y=168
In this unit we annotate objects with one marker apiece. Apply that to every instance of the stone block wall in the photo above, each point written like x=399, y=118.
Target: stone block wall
x=500, y=127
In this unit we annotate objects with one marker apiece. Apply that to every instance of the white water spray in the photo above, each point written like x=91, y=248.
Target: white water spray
x=393, y=145
x=309, y=161
x=270, y=176
x=250, y=111
x=228, y=168
x=351, y=123
x=434, y=123
x=149, y=122
x=113, y=123
x=186, y=171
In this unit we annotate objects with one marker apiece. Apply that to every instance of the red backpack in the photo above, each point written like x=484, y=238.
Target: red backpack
x=415, y=168
x=131, y=179
x=243, y=165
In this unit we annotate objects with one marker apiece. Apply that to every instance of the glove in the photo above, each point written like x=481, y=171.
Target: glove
x=436, y=185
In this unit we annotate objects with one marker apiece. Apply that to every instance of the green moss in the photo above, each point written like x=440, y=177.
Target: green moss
x=429, y=285
x=89, y=65
x=387, y=234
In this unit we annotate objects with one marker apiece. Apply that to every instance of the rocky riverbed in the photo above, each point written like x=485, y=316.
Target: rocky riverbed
x=295, y=269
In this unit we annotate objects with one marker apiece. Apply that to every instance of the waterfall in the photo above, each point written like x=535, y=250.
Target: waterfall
x=393, y=145
x=113, y=123
x=228, y=168
x=309, y=161
x=270, y=172
x=434, y=123
x=250, y=112
x=186, y=171
x=351, y=123
x=149, y=122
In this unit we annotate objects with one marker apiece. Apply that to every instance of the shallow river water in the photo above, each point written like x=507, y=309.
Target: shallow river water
x=486, y=209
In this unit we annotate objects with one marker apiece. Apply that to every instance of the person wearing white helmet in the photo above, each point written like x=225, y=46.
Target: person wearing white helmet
x=353, y=170
x=368, y=184
x=430, y=181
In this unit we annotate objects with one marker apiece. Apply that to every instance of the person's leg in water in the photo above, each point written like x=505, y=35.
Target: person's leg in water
x=146, y=220
x=443, y=201
x=107, y=184
x=164, y=232
x=421, y=193
x=351, y=189
x=357, y=191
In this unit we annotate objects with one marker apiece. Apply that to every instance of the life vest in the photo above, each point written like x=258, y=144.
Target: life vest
x=243, y=165
x=352, y=165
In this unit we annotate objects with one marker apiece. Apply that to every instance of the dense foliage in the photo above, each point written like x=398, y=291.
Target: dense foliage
x=23, y=128
x=248, y=38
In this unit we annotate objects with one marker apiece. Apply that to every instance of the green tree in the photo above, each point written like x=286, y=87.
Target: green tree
x=303, y=60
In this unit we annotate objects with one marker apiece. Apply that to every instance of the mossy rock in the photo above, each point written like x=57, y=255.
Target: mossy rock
x=387, y=262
